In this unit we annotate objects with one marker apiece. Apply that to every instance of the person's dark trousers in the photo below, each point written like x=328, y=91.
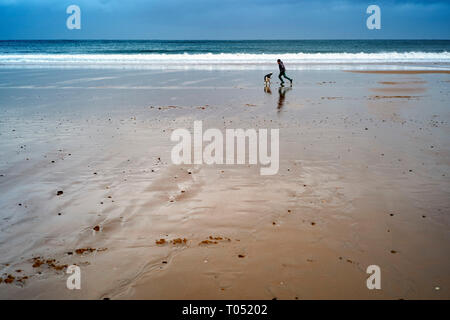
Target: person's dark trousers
x=284, y=75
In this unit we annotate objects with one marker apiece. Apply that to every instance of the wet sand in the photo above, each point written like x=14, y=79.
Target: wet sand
x=86, y=178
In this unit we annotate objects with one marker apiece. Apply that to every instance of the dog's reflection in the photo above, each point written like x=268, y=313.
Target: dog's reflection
x=282, y=96
x=267, y=89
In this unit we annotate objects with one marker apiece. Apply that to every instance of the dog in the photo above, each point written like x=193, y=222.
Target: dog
x=267, y=79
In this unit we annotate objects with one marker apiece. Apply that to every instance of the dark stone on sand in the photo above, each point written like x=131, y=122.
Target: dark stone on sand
x=96, y=228
x=58, y=193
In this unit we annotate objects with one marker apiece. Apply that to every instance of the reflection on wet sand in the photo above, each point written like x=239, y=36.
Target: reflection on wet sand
x=282, y=96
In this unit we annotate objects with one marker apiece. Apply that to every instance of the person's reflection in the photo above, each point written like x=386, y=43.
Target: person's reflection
x=282, y=96
x=267, y=89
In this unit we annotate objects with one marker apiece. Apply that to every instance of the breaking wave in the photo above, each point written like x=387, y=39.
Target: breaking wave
x=228, y=61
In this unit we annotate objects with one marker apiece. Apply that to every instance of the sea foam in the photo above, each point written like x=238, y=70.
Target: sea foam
x=226, y=60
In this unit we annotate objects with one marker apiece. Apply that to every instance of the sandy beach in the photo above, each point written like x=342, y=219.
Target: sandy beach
x=86, y=178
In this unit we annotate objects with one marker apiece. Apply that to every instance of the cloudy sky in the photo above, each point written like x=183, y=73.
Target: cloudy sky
x=225, y=19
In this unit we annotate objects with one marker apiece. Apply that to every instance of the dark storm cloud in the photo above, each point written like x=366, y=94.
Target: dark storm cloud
x=226, y=19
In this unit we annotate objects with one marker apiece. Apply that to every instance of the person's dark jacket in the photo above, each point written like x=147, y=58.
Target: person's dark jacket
x=281, y=66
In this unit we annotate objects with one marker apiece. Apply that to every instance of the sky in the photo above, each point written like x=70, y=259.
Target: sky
x=226, y=19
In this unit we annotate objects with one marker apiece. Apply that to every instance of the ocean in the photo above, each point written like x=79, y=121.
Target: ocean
x=227, y=55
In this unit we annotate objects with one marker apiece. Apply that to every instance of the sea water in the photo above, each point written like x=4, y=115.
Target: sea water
x=227, y=55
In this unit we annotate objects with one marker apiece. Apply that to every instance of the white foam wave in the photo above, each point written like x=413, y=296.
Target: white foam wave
x=220, y=61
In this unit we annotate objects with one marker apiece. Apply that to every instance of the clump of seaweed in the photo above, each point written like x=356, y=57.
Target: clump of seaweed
x=51, y=263
x=214, y=240
x=179, y=241
x=173, y=241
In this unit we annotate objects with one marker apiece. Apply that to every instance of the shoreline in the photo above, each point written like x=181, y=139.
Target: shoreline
x=400, y=71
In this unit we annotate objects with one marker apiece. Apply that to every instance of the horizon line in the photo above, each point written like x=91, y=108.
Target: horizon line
x=318, y=39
